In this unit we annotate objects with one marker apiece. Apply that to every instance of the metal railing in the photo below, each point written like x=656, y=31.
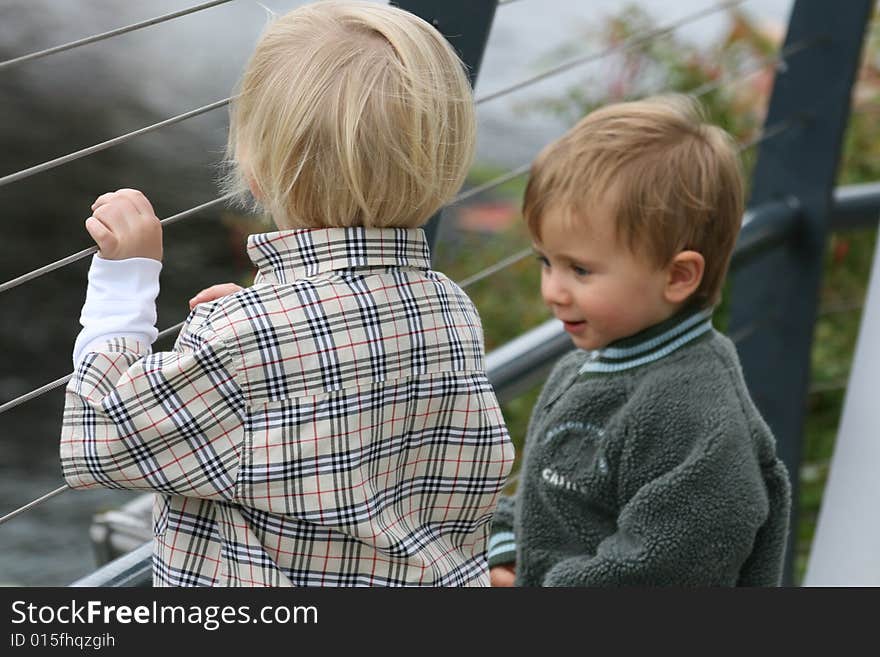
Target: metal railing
x=107, y=35
x=525, y=361
x=764, y=235
x=775, y=221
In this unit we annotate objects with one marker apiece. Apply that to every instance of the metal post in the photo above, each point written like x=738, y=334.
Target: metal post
x=774, y=298
x=466, y=25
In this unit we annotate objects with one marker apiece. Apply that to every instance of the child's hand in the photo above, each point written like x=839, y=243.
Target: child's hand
x=214, y=292
x=503, y=575
x=124, y=225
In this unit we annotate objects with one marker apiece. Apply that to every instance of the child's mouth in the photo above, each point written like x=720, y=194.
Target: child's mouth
x=573, y=327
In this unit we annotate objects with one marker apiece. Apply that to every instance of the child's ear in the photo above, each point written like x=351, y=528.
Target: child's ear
x=685, y=273
x=254, y=187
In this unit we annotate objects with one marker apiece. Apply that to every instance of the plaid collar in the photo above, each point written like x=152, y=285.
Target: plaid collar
x=285, y=256
x=650, y=345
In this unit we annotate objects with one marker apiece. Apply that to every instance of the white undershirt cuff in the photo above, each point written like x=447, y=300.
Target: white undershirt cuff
x=120, y=302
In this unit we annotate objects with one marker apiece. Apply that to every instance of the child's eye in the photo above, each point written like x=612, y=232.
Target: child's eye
x=579, y=271
x=542, y=259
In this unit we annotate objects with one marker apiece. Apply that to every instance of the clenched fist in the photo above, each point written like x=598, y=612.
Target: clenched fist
x=124, y=225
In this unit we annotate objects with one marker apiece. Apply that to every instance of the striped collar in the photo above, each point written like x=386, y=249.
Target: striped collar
x=649, y=345
x=285, y=256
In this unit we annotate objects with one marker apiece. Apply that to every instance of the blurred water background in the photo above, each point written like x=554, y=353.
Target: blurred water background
x=59, y=104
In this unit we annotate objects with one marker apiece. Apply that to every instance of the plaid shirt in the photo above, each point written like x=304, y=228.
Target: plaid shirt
x=330, y=426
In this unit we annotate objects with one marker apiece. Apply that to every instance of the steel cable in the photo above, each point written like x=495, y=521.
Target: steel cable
x=57, y=383
x=36, y=502
x=79, y=255
x=628, y=44
x=479, y=276
x=70, y=157
x=123, y=138
x=768, y=133
x=112, y=33
x=464, y=283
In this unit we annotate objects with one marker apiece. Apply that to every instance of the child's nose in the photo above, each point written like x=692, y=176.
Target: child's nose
x=553, y=289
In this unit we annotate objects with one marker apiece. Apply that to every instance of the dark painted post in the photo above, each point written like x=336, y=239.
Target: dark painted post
x=774, y=298
x=466, y=25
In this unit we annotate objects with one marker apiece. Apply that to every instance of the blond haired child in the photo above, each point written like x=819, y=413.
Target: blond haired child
x=332, y=425
x=646, y=462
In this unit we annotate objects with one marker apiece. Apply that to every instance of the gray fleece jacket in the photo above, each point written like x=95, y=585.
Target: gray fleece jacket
x=647, y=464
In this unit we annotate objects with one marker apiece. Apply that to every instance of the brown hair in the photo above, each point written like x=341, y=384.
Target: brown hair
x=674, y=182
x=351, y=114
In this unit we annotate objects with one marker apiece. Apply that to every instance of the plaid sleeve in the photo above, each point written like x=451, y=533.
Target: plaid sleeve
x=169, y=422
x=502, y=542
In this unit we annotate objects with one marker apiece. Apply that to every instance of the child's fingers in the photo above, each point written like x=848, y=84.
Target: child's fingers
x=118, y=213
x=214, y=292
x=503, y=575
x=138, y=199
x=102, y=200
x=103, y=236
x=132, y=196
x=136, y=234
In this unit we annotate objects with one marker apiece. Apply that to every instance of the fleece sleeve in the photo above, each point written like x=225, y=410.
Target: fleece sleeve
x=502, y=543
x=167, y=422
x=694, y=525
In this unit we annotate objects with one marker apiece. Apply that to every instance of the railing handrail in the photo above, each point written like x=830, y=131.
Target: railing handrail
x=464, y=284
x=630, y=43
x=518, y=364
x=512, y=368
x=131, y=569
x=777, y=60
x=526, y=358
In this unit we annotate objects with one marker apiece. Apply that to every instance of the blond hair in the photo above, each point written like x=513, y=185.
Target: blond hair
x=351, y=114
x=673, y=182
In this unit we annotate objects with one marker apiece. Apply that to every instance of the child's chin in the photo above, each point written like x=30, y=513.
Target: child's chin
x=586, y=343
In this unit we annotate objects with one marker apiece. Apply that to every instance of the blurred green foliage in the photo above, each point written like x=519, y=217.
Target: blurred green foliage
x=733, y=78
